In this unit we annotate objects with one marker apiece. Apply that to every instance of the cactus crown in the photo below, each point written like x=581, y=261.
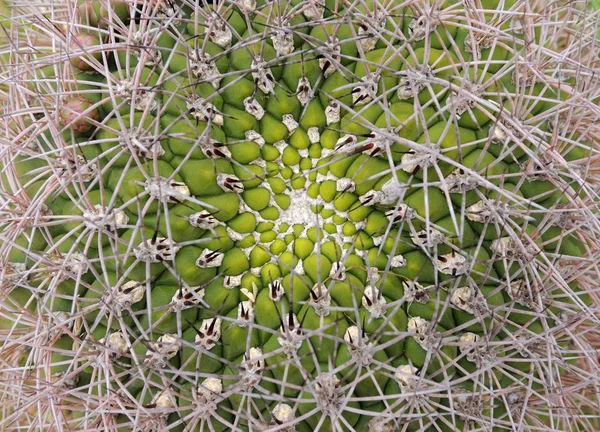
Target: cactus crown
x=307, y=215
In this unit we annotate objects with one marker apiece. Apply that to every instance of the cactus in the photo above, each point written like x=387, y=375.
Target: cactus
x=295, y=216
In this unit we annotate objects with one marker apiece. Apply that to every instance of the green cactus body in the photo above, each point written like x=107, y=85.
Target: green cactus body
x=297, y=216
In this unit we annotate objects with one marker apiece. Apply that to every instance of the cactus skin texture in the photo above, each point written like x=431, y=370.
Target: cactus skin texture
x=298, y=216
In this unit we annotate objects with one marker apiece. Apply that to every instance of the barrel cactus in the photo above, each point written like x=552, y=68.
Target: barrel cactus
x=357, y=215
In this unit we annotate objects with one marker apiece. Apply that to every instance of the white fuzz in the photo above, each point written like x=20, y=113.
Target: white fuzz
x=415, y=292
x=161, y=351
x=401, y=214
x=337, y=272
x=345, y=184
x=252, y=107
x=330, y=61
x=144, y=100
x=231, y=282
x=290, y=336
x=320, y=300
x=78, y=167
x=469, y=300
x=218, y=31
x=210, y=389
x=275, y=290
x=411, y=82
x=381, y=424
x=346, y=143
x=407, y=378
x=155, y=251
x=290, y=123
x=251, y=368
x=283, y=41
x=209, y=333
x=526, y=293
x=333, y=112
x=262, y=75
x=203, y=219
x=329, y=395
x=486, y=211
x=304, y=91
x=140, y=143
x=468, y=345
x=283, y=413
x=513, y=249
x=479, y=41
x=127, y=294
x=420, y=328
x=116, y=343
x=424, y=156
x=74, y=263
x=359, y=346
x=204, y=68
x=314, y=136
x=452, y=264
x=420, y=27
x=374, y=302
x=164, y=400
x=313, y=9
x=254, y=136
x=398, y=261
x=366, y=90
x=204, y=111
x=99, y=218
x=186, y=297
x=167, y=191
x=370, y=30
x=459, y=181
x=230, y=183
x=426, y=239
x=209, y=259
x=464, y=98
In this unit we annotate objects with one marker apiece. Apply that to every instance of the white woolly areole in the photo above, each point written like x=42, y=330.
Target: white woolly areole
x=332, y=112
x=468, y=299
x=204, y=68
x=337, y=272
x=366, y=90
x=166, y=191
x=400, y=214
x=290, y=123
x=164, y=400
x=230, y=183
x=507, y=247
x=329, y=395
x=231, y=282
x=313, y=134
x=420, y=327
x=486, y=211
x=116, y=342
x=245, y=313
x=251, y=368
x=346, y=143
x=374, y=302
x=209, y=333
x=428, y=238
x=155, y=251
x=304, y=91
x=98, y=218
x=419, y=28
x=345, y=184
x=467, y=342
x=252, y=107
x=283, y=413
x=283, y=41
x=398, y=261
x=299, y=211
x=128, y=293
x=210, y=259
x=164, y=349
x=411, y=82
x=262, y=75
x=218, y=31
x=204, y=111
x=203, y=219
x=415, y=292
x=187, y=297
x=331, y=51
x=210, y=389
x=313, y=9
x=290, y=338
x=359, y=346
x=381, y=424
x=406, y=377
x=82, y=169
x=252, y=135
x=320, y=300
x=391, y=192
x=370, y=30
x=426, y=155
x=459, y=181
x=452, y=264
x=275, y=290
